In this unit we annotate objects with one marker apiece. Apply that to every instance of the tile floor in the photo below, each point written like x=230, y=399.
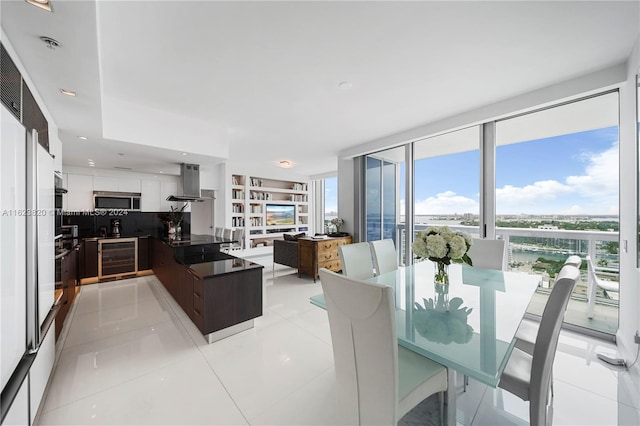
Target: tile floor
x=131, y=356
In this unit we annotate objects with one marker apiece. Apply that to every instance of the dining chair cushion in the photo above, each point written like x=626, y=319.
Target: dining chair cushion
x=418, y=376
x=516, y=377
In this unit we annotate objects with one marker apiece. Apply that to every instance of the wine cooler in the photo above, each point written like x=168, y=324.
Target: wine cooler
x=117, y=258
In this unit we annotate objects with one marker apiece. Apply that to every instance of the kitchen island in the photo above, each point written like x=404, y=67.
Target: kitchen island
x=220, y=293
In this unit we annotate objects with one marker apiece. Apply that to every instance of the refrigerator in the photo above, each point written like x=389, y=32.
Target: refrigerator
x=27, y=270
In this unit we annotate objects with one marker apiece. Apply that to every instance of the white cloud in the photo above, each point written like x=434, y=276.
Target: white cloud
x=446, y=203
x=589, y=193
x=601, y=175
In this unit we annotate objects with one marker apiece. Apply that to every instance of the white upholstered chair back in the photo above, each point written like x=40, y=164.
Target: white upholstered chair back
x=385, y=258
x=488, y=254
x=356, y=260
x=365, y=351
x=527, y=376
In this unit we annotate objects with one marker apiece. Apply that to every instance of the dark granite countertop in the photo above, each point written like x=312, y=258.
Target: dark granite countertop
x=221, y=267
x=129, y=235
x=214, y=264
x=196, y=240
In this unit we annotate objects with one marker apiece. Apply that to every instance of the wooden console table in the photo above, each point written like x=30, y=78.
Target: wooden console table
x=314, y=254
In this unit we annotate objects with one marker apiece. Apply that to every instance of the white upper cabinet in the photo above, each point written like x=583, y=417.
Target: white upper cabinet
x=166, y=189
x=150, y=200
x=80, y=195
x=116, y=184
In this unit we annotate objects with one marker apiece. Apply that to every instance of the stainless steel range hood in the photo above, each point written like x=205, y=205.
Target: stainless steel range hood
x=190, y=174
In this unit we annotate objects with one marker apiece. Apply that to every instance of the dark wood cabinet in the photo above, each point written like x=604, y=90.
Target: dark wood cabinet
x=69, y=282
x=10, y=84
x=143, y=254
x=222, y=301
x=316, y=254
x=89, y=259
x=17, y=96
x=212, y=302
x=33, y=118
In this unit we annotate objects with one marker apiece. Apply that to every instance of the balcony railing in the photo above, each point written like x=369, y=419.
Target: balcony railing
x=556, y=243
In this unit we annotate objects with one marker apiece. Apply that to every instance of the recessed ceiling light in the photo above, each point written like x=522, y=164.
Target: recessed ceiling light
x=161, y=171
x=43, y=4
x=285, y=164
x=184, y=153
x=67, y=92
x=84, y=138
x=345, y=85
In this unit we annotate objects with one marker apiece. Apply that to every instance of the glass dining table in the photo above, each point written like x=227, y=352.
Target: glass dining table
x=468, y=325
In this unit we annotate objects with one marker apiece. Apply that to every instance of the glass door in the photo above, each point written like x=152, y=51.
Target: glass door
x=557, y=195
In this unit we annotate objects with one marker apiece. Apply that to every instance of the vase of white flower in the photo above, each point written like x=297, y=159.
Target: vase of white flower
x=337, y=223
x=442, y=246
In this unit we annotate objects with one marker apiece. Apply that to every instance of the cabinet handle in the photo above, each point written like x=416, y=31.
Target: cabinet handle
x=196, y=295
x=197, y=312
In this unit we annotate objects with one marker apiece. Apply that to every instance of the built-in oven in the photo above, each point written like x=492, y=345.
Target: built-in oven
x=59, y=192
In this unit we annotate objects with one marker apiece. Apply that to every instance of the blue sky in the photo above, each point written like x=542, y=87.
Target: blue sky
x=575, y=173
x=570, y=174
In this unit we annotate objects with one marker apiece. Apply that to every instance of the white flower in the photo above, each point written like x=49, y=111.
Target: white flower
x=442, y=244
x=436, y=246
x=457, y=247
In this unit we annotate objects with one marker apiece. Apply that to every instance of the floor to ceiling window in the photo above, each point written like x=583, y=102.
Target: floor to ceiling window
x=384, y=179
x=330, y=201
x=557, y=195
x=447, y=181
x=553, y=177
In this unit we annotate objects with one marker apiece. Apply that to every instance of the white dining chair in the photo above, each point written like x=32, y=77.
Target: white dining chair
x=378, y=381
x=488, y=254
x=218, y=231
x=529, y=376
x=594, y=282
x=356, y=260
x=528, y=330
x=238, y=237
x=385, y=258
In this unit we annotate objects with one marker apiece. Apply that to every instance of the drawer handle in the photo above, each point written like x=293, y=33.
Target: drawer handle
x=196, y=295
x=197, y=312
x=327, y=256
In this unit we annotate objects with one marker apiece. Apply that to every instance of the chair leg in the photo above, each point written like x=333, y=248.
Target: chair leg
x=465, y=383
x=441, y=399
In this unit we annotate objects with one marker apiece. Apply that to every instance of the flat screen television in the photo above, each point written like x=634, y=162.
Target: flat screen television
x=281, y=214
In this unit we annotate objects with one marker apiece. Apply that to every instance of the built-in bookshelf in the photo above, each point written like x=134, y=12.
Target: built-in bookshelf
x=268, y=208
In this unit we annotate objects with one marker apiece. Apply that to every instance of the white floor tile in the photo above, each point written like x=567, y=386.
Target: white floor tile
x=268, y=365
x=312, y=404
x=133, y=357
x=184, y=393
x=93, y=367
x=91, y=326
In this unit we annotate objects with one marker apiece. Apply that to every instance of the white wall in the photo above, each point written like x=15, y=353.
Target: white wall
x=629, y=272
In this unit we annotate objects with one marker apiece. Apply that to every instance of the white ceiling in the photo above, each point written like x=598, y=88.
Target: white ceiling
x=259, y=82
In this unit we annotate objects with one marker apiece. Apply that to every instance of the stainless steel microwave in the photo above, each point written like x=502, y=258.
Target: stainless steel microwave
x=116, y=200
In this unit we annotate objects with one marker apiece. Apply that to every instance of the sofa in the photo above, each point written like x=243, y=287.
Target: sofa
x=285, y=253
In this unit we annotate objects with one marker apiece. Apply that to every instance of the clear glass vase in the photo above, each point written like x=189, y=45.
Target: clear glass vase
x=441, y=275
